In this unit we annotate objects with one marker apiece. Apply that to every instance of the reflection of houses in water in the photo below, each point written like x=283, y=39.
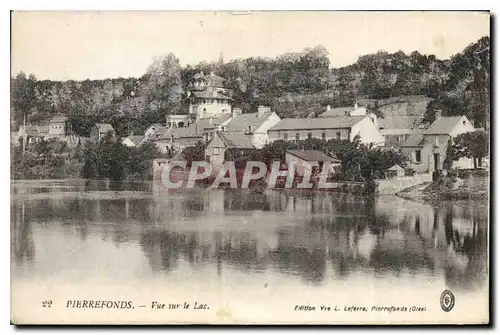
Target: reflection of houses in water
x=348, y=236
x=22, y=243
x=301, y=235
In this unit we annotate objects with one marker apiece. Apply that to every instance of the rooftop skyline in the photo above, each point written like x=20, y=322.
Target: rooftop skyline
x=97, y=45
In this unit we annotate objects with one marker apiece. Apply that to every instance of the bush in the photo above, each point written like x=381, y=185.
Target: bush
x=358, y=190
x=370, y=187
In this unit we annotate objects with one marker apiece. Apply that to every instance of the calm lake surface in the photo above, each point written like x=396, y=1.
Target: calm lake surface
x=80, y=231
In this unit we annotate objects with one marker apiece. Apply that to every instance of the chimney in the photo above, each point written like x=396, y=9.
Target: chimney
x=263, y=109
x=356, y=106
x=211, y=120
x=236, y=111
x=328, y=108
x=437, y=114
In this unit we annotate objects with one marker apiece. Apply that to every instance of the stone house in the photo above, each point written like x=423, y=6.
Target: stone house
x=217, y=148
x=303, y=160
x=58, y=126
x=208, y=97
x=341, y=128
x=426, y=149
x=256, y=125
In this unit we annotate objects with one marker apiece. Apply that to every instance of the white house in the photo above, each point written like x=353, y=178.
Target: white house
x=427, y=149
x=208, y=97
x=340, y=128
x=256, y=125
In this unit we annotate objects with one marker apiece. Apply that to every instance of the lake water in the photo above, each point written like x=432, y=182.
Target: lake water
x=96, y=232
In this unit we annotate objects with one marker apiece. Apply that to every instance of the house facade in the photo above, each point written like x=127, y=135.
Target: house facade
x=426, y=150
x=340, y=128
x=255, y=125
x=58, y=126
x=30, y=134
x=305, y=161
x=215, y=151
x=153, y=129
x=208, y=97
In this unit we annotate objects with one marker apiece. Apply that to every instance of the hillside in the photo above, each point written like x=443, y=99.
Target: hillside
x=294, y=85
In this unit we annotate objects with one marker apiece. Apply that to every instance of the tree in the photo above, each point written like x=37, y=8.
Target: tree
x=163, y=87
x=23, y=96
x=473, y=145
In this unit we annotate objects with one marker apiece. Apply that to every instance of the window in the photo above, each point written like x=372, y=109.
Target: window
x=285, y=136
x=338, y=135
x=309, y=135
x=418, y=156
x=323, y=135
x=297, y=136
x=216, y=151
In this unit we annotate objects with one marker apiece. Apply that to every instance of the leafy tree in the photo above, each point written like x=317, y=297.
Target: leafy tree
x=473, y=145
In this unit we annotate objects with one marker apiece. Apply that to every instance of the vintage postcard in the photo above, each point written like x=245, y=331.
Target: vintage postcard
x=279, y=167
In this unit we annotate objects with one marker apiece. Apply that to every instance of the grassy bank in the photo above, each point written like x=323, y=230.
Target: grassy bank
x=457, y=185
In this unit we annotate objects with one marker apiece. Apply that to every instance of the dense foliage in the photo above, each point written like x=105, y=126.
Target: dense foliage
x=50, y=159
x=294, y=84
x=359, y=162
x=107, y=159
x=473, y=145
x=111, y=159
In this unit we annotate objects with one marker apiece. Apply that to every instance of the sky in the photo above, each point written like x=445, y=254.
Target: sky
x=96, y=45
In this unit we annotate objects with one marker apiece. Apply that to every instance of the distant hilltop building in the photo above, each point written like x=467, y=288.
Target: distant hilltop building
x=208, y=97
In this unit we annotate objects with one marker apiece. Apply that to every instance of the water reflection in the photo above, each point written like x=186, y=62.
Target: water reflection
x=317, y=237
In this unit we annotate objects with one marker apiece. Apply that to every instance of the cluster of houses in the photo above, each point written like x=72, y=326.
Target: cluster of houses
x=213, y=120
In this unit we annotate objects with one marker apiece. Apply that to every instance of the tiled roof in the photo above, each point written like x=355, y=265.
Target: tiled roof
x=415, y=139
x=214, y=80
x=395, y=168
x=195, y=129
x=136, y=139
x=31, y=131
x=312, y=156
x=242, y=121
x=340, y=111
x=236, y=140
x=104, y=127
x=44, y=130
x=59, y=119
x=319, y=123
x=207, y=95
x=395, y=131
x=443, y=125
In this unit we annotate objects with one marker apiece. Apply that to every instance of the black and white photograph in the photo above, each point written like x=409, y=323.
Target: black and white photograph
x=250, y=167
